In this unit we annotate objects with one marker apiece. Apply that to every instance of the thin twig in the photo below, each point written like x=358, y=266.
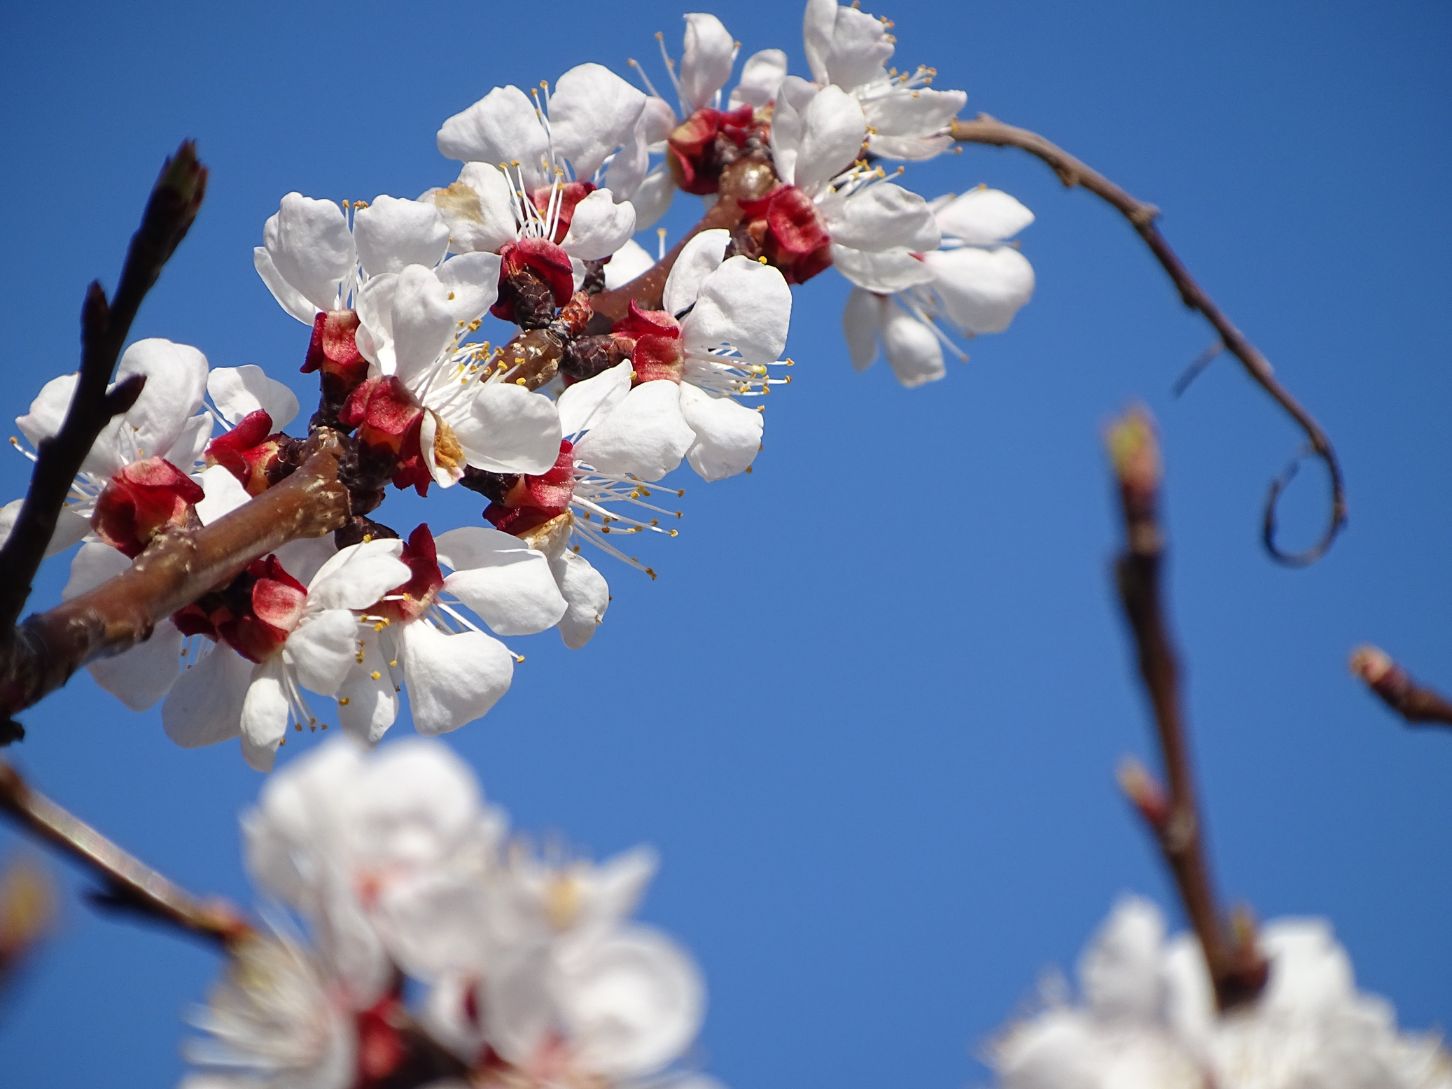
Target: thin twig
x=128, y=883
x=1142, y=216
x=170, y=210
x=1236, y=970
x=1416, y=703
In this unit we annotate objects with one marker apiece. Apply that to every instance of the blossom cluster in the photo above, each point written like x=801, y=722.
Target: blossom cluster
x=1147, y=1020
x=439, y=944
x=603, y=382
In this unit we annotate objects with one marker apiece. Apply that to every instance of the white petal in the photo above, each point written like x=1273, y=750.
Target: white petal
x=698, y=258
x=599, y=226
x=912, y=123
x=981, y=289
x=391, y=232
x=592, y=112
x=142, y=675
x=223, y=494
x=372, y=704
x=500, y=128
x=884, y=272
x=912, y=348
x=311, y=248
x=288, y=297
x=236, y=391
x=204, y=706
x=321, y=649
x=507, y=584
x=48, y=410
x=627, y=263
x=652, y=198
x=452, y=679
x=509, y=429
x=728, y=434
x=819, y=23
x=706, y=60
x=358, y=576
x=265, y=712
x=413, y=805
x=479, y=209
x=982, y=217
x=883, y=216
x=834, y=129
x=745, y=304
x=860, y=323
x=644, y=436
x=761, y=75
x=94, y=564
x=586, y=403
x=472, y=283
x=1120, y=971
x=585, y=592
x=423, y=323
x=844, y=45
x=176, y=379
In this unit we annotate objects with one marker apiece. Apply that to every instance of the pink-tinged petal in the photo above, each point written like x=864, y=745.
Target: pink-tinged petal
x=645, y=436
x=861, y=321
x=706, y=60
x=357, y=576
x=452, y=679
x=833, y=131
x=238, y=391
x=633, y=1002
x=629, y=261
x=587, y=403
x=508, y=584
x=912, y=348
x=761, y=75
x=586, y=594
x=728, y=434
x=288, y=297
x=882, y=217
x=509, y=429
x=500, y=128
x=885, y=272
x=699, y=257
x=322, y=649
x=912, y=123
x=367, y=703
x=592, y=112
x=845, y=45
x=479, y=209
x=472, y=283
x=745, y=304
x=981, y=289
x=311, y=249
x=599, y=226
x=392, y=233
x=982, y=217
x=204, y=706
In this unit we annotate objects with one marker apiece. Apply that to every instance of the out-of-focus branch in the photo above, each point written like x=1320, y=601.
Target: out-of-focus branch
x=1417, y=704
x=984, y=129
x=178, y=567
x=170, y=210
x=127, y=883
x=1236, y=969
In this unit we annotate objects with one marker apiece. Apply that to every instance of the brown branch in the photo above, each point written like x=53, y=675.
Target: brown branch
x=1142, y=216
x=170, y=210
x=128, y=883
x=1236, y=970
x=176, y=569
x=1392, y=684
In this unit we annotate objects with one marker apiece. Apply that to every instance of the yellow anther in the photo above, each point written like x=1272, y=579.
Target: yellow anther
x=376, y=675
x=367, y=537
x=342, y=701
x=675, y=533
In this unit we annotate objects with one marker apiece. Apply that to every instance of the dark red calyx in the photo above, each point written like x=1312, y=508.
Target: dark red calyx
x=570, y=195
x=141, y=499
x=786, y=228
x=333, y=350
x=253, y=614
x=388, y=419
x=413, y=597
x=250, y=451
x=533, y=500
x=702, y=144
x=382, y=1047
x=657, y=351
x=535, y=279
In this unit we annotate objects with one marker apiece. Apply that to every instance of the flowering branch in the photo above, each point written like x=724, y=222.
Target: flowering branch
x=1392, y=684
x=129, y=884
x=170, y=210
x=1237, y=971
x=984, y=129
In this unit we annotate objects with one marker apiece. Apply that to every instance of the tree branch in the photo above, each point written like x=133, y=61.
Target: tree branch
x=1392, y=684
x=1236, y=970
x=1072, y=172
x=170, y=210
x=128, y=883
x=178, y=567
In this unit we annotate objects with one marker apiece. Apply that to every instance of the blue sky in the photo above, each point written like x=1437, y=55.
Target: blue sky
x=870, y=711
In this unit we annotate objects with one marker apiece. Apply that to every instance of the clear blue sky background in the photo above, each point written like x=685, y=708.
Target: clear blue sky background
x=871, y=710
